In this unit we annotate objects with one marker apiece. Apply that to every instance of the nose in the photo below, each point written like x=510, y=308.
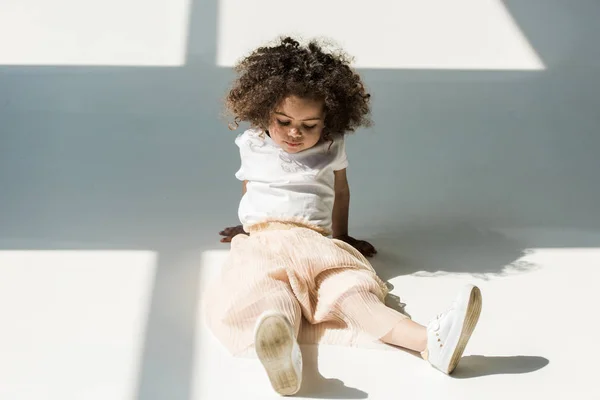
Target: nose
x=294, y=133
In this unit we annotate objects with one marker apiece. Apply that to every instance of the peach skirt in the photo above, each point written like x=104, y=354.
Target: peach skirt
x=325, y=287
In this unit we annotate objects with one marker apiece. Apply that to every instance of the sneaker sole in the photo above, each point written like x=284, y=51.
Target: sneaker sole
x=274, y=346
x=471, y=317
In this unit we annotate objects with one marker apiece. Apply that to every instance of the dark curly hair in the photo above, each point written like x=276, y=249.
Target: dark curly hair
x=270, y=74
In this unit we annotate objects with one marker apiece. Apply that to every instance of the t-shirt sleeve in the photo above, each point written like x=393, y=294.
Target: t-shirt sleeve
x=242, y=142
x=341, y=159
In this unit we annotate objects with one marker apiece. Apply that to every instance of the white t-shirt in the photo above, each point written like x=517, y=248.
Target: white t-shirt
x=285, y=186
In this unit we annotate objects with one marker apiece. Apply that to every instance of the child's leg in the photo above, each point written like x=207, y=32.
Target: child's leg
x=366, y=311
x=408, y=334
x=442, y=342
x=232, y=314
x=279, y=298
x=275, y=340
x=353, y=296
x=279, y=353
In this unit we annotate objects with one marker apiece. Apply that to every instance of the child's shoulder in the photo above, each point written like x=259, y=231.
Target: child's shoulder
x=252, y=135
x=337, y=143
x=339, y=139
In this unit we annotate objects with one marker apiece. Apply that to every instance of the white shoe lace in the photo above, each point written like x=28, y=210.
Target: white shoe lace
x=435, y=323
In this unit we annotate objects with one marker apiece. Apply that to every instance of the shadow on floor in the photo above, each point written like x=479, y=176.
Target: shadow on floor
x=477, y=366
x=168, y=355
x=316, y=386
x=450, y=249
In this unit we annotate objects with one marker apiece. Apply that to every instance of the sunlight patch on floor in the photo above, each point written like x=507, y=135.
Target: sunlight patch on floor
x=73, y=323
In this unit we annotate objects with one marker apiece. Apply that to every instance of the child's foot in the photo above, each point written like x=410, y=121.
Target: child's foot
x=278, y=351
x=448, y=334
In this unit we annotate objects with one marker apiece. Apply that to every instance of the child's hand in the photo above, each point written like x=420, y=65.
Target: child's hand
x=231, y=232
x=363, y=246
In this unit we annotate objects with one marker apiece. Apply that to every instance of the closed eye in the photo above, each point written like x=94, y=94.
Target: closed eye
x=309, y=127
x=283, y=123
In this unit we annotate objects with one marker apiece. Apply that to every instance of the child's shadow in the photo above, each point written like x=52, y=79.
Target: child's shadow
x=316, y=386
x=449, y=249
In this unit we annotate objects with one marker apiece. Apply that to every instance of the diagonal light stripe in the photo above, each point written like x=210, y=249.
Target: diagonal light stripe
x=394, y=34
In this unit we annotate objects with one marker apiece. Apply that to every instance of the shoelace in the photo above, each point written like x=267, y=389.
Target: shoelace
x=436, y=322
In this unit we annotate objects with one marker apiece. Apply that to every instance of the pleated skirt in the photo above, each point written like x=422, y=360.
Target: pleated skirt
x=328, y=290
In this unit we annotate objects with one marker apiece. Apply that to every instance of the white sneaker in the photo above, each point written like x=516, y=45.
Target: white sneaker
x=279, y=353
x=448, y=334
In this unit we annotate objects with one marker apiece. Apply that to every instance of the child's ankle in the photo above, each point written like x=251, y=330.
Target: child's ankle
x=425, y=353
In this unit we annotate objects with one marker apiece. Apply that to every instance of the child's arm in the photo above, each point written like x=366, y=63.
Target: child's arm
x=341, y=210
x=341, y=204
x=230, y=232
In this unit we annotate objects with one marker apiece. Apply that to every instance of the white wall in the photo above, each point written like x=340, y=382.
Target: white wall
x=126, y=154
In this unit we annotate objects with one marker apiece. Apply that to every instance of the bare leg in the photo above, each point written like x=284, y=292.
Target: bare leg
x=366, y=312
x=407, y=334
x=354, y=295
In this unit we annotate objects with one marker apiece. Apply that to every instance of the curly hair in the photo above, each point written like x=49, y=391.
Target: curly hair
x=270, y=74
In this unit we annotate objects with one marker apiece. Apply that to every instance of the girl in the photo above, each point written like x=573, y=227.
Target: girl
x=297, y=275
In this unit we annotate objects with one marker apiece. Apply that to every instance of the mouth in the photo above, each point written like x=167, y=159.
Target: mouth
x=293, y=144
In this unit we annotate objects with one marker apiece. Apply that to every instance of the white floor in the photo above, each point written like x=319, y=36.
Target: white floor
x=81, y=325
x=537, y=338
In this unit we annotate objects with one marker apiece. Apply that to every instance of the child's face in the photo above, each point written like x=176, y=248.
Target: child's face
x=297, y=123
